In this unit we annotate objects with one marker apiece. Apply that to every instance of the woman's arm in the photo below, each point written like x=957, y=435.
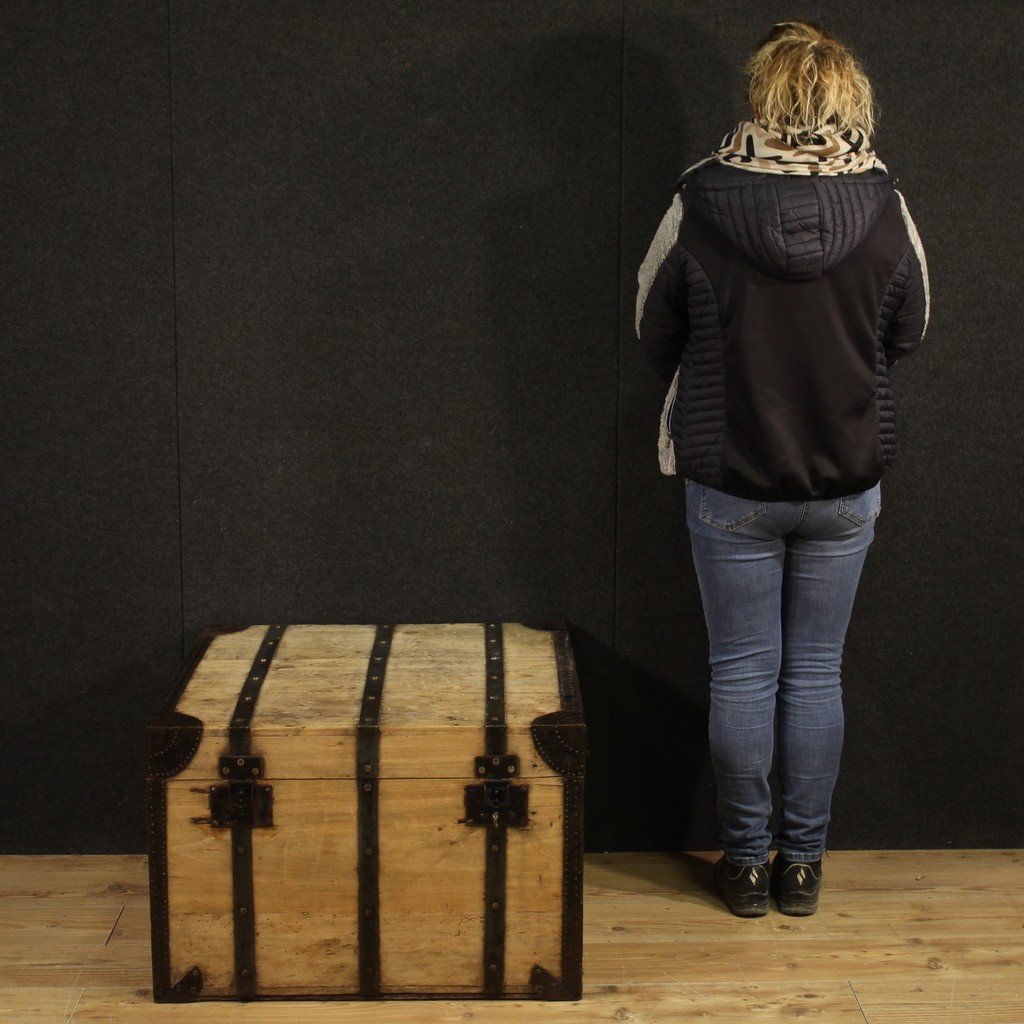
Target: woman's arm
x=661, y=317
x=909, y=321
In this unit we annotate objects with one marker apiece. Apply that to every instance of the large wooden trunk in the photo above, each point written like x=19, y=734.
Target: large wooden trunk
x=361, y=811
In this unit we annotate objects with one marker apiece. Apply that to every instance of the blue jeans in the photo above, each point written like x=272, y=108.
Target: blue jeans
x=777, y=582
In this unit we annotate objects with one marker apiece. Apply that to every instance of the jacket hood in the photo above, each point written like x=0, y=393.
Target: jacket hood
x=792, y=226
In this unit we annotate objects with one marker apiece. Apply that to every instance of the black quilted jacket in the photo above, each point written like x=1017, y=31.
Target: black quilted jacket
x=776, y=305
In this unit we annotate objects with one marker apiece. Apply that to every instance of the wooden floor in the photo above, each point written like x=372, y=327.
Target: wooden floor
x=916, y=937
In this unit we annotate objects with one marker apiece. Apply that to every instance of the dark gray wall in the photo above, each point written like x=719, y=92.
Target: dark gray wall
x=90, y=514
x=325, y=314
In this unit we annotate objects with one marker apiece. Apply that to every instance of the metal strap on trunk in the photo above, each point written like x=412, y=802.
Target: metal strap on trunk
x=239, y=749
x=495, y=744
x=367, y=780
x=572, y=826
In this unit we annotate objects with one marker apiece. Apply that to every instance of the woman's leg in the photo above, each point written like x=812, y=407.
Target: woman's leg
x=824, y=558
x=740, y=572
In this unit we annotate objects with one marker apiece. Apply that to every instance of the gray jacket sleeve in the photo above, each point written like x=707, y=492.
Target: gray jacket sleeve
x=661, y=316
x=909, y=321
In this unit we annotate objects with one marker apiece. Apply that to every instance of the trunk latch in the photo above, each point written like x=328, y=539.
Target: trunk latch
x=242, y=800
x=497, y=800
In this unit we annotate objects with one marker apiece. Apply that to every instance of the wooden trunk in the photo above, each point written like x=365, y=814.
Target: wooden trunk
x=360, y=811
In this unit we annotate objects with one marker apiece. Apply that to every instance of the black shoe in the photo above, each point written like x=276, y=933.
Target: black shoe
x=744, y=887
x=795, y=885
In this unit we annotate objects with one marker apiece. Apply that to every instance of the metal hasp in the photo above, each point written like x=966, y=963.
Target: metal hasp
x=497, y=800
x=496, y=804
x=241, y=800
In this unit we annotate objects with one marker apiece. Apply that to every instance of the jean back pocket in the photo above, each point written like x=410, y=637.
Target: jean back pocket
x=862, y=507
x=727, y=511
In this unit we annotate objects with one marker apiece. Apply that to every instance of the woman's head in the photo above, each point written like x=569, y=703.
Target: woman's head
x=802, y=78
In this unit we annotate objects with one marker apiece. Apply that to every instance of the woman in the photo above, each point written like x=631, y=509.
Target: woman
x=784, y=281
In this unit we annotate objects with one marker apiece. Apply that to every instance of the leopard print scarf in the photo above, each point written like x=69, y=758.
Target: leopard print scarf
x=825, y=151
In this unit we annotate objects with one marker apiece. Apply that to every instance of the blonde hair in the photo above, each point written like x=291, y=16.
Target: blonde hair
x=803, y=78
